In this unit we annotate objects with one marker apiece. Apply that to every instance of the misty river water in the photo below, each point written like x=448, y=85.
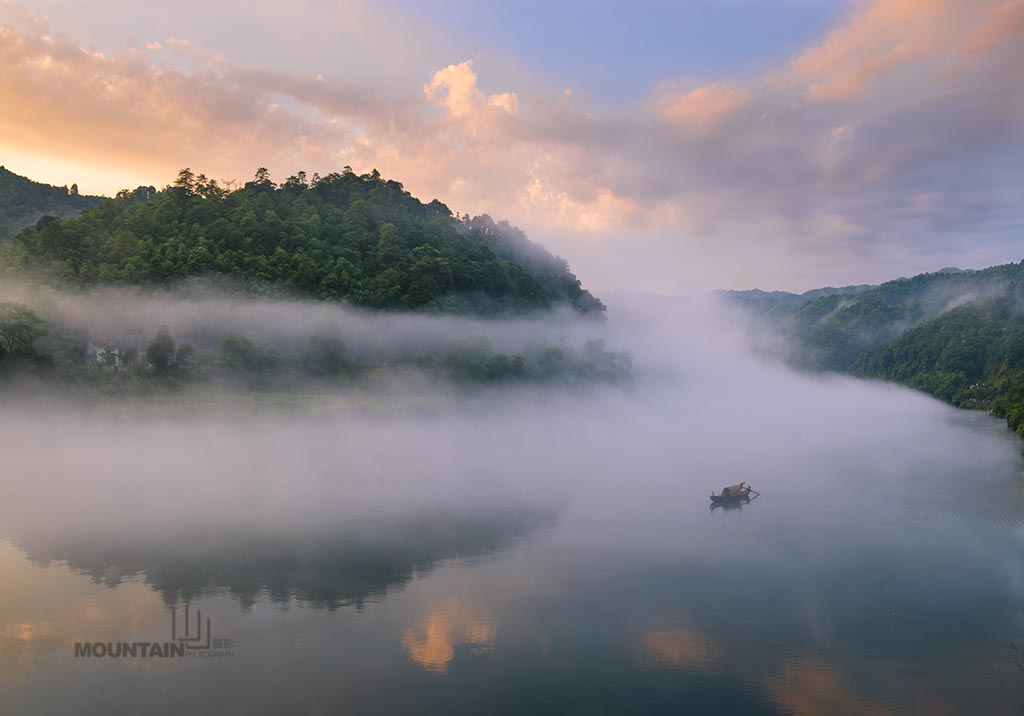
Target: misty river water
x=518, y=552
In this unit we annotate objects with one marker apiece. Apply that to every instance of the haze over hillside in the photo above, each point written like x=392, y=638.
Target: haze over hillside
x=366, y=241
x=145, y=292
x=955, y=334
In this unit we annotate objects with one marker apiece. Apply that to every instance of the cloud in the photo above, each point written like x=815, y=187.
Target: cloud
x=23, y=16
x=706, y=108
x=896, y=137
x=883, y=37
x=61, y=98
x=1002, y=25
x=508, y=101
x=454, y=87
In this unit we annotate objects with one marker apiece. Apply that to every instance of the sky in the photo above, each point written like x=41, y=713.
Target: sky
x=669, y=147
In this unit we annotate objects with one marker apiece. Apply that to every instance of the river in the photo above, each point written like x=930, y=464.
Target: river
x=517, y=554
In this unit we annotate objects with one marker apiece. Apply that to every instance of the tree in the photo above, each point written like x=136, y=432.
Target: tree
x=430, y=277
x=240, y=353
x=185, y=357
x=20, y=327
x=160, y=351
x=324, y=355
x=186, y=180
x=262, y=178
x=109, y=356
x=391, y=246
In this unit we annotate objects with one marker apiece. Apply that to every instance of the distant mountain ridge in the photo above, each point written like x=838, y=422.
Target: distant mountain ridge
x=23, y=202
x=768, y=300
x=772, y=299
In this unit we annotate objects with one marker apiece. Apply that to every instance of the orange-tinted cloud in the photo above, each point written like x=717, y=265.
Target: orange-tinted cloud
x=455, y=87
x=882, y=36
x=1001, y=25
x=802, y=166
x=707, y=108
x=63, y=99
x=895, y=44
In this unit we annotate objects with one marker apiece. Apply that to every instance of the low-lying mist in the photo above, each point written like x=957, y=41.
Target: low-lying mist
x=571, y=518
x=699, y=410
x=194, y=314
x=585, y=498
x=210, y=336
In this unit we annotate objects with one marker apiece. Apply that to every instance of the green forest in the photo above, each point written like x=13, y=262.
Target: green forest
x=358, y=240
x=342, y=237
x=23, y=202
x=971, y=356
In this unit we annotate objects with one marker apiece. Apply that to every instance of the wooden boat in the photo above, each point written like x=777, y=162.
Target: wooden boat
x=734, y=494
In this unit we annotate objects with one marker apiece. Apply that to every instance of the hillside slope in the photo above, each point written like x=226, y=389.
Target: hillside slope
x=23, y=201
x=957, y=335
x=363, y=239
x=971, y=356
x=833, y=331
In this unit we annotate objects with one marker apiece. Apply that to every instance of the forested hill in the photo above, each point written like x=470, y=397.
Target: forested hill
x=23, y=201
x=958, y=335
x=362, y=239
x=972, y=356
x=832, y=331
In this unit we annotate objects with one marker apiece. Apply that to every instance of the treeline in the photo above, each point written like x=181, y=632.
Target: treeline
x=23, y=201
x=29, y=345
x=361, y=239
